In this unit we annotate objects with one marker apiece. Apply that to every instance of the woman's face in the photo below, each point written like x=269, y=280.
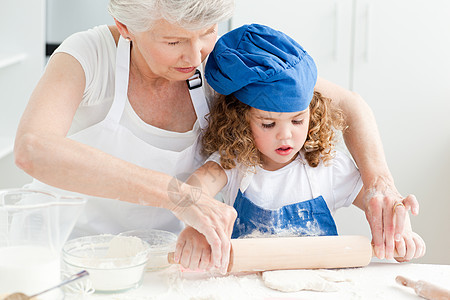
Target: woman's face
x=172, y=52
x=278, y=136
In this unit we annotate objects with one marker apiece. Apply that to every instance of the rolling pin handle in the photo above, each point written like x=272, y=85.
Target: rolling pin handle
x=425, y=289
x=395, y=253
x=171, y=258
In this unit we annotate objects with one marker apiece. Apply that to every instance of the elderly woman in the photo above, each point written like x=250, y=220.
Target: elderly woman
x=117, y=116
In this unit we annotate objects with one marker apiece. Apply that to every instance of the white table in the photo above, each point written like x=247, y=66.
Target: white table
x=376, y=281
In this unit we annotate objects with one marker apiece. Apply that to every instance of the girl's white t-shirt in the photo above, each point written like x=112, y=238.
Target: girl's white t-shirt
x=339, y=182
x=95, y=49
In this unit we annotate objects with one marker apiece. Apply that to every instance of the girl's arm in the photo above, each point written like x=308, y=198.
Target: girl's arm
x=192, y=250
x=210, y=177
x=43, y=151
x=408, y=244
x=380, y=194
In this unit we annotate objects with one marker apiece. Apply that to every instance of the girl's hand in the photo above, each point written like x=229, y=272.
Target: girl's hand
x=213, y=219
x=193, y=251
x=410, y=245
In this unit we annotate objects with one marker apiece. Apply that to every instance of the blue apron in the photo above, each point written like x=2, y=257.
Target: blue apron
x=306, y=218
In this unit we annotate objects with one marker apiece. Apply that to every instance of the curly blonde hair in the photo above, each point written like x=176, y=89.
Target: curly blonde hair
x=230, y=135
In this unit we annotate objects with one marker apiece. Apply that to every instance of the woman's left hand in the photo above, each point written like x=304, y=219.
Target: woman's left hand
x=386, y=211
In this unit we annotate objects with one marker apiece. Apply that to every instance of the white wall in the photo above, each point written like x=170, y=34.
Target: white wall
x=10, y=175
x=65, y=17
x=22, y=53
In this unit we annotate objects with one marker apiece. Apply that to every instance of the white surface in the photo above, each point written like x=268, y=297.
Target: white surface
x=376, y=281
x=29, y=269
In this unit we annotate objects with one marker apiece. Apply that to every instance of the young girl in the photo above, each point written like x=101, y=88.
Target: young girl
x=271, y=145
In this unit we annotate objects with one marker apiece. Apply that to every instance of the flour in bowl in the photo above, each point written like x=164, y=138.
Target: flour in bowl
x=125, y=246
x=115, y=263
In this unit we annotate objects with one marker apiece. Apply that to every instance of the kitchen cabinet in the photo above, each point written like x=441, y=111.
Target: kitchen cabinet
x=322, y=27
x=22, y=58
x=394, y=53
x=67, y=17
x=21, y=62
x=402, y=68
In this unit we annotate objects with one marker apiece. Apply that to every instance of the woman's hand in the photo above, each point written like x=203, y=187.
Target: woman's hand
x=211, y=218
x=193, y=251
x=386, y=211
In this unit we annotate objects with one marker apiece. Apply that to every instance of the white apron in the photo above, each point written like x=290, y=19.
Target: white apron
x=102, y=215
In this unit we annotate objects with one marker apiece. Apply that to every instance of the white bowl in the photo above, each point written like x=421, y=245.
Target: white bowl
x=114, y=263
x=161, y=243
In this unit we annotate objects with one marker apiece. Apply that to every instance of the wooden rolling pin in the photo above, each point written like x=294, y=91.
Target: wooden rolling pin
x=283, y=253
x=425, y=289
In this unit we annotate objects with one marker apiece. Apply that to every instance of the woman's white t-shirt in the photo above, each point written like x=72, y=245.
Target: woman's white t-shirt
x=95, y=49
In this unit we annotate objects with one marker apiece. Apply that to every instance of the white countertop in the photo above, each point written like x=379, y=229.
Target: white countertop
x=376, y=281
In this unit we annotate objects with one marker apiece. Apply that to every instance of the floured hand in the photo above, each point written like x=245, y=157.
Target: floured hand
x=386, y=224
x=209, y=217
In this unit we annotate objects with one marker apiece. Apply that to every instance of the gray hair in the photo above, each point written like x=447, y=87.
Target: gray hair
x=139, y=15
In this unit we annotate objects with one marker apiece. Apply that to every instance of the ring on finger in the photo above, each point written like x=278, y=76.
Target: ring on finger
x=397, y=204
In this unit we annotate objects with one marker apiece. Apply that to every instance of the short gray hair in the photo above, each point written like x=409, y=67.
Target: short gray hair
x=139, y=15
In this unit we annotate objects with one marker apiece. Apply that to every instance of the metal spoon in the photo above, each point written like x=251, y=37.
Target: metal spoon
x=22, y=296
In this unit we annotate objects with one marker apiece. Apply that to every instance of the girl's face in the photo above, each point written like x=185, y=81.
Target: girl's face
x=278, y=136
x=172, y=52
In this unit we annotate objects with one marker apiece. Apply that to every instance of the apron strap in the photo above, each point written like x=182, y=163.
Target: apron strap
x=121, y=87
x=121, y=80
x=313, y=182
x=198, y=98
x=246, y=180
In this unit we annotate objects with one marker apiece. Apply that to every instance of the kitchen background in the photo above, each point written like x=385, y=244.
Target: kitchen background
x=395, y=53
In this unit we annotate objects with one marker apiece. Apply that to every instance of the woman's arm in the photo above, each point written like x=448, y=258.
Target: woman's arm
x=363, y=141
x=43, y=151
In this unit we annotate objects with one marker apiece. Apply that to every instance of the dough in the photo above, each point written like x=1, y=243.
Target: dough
x=298, y=280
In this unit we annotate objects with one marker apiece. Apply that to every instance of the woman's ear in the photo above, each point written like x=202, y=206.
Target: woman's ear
x=123, y=30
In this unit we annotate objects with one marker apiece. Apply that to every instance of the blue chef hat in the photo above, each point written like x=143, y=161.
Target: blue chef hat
x=263, y=68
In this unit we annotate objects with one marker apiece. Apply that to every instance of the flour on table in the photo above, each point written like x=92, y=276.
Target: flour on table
x=299, y=280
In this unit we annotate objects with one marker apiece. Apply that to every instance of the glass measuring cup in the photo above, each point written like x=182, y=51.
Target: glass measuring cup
x=34, y=225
